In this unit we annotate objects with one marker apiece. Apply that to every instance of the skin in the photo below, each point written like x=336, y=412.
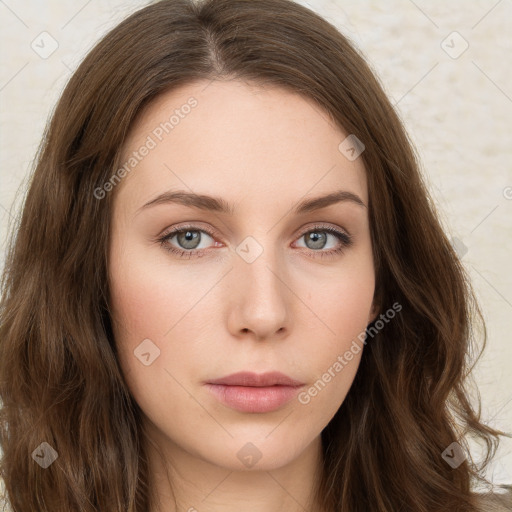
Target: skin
x=263, y=150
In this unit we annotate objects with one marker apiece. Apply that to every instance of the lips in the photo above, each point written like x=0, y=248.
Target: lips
x=257, y=380
x=254, y=393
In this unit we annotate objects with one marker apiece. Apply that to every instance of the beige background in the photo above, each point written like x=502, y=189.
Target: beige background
x=457, y=106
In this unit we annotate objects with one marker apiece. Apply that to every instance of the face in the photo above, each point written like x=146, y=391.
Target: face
x=259, y=280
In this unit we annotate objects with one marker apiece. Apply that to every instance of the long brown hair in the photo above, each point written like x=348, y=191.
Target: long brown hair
x=60, y=382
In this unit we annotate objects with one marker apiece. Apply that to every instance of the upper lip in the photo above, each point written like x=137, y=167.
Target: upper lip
x=256, y=380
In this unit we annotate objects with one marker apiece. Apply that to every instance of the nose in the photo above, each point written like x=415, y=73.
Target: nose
x=259, y=298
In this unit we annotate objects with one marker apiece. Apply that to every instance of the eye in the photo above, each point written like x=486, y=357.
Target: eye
x=189, y=239
x=317, y=238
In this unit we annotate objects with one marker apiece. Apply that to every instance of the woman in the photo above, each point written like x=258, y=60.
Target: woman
x=229, y=288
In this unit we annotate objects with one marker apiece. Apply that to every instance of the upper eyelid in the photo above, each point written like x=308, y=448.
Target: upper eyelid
x=191, y=227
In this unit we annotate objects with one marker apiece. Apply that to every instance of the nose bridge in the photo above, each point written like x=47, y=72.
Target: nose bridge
x=259, y=264
x=258, y=285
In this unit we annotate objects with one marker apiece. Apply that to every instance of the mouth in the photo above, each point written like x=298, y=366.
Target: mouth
x=254, y=393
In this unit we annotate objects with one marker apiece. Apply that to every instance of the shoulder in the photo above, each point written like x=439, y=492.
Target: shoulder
x=496, y=502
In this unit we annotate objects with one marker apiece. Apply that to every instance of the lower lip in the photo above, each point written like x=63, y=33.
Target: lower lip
x=254, y=399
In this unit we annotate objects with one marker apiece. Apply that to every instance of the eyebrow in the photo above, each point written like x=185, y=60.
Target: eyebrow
x=219, y=205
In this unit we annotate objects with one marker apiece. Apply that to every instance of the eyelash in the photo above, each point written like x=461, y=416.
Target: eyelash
x=345, y=241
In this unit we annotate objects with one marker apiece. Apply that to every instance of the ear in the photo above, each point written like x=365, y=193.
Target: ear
x=374, y=313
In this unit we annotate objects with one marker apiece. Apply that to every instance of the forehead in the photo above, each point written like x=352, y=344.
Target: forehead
x=236, y=140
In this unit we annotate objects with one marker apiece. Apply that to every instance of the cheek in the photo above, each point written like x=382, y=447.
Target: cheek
x=341, y=308
x=158, y=314
x=342, y=300
x=147, y=299
x=139, y=309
